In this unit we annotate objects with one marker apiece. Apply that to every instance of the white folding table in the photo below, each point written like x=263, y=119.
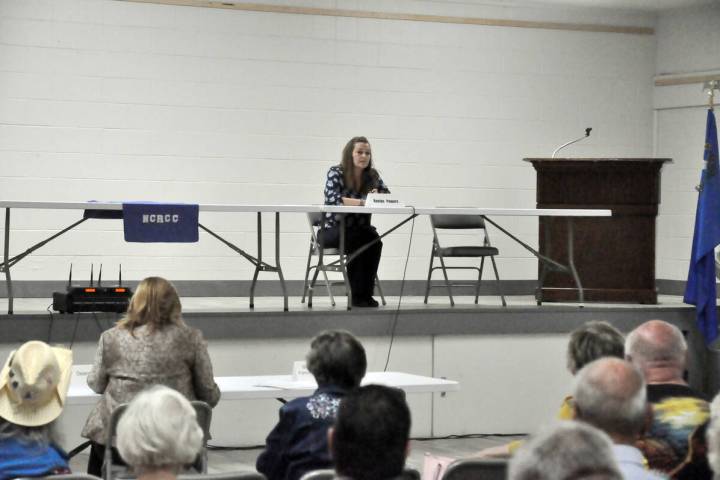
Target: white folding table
x=275, y=386
x=263, y=266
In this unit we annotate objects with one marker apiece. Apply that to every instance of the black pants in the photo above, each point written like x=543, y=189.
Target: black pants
x=97, y=455
x=363, y=268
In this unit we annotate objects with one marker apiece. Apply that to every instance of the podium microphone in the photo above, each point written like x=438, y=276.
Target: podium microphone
x=587, y=134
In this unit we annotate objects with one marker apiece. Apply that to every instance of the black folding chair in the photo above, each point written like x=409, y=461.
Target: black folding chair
x=203, y=412
x=476, y=469
x=482, y=250
x=316, y=220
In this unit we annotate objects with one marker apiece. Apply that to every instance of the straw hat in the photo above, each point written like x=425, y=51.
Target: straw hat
x=34, y=383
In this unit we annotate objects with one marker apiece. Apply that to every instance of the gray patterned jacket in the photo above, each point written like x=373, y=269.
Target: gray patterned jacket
x=126, y=364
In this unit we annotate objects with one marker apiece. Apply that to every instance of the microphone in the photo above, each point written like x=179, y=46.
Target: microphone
x=587, y=134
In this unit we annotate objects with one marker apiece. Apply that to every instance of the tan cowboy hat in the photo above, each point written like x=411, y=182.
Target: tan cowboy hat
x=34, y=383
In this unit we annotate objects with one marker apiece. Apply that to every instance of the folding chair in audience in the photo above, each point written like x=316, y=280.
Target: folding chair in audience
x=316, y=220
x=110, y=470
x=324, y=474
x=66, y=476
x=203, y=412
x=223, y=476
x=410, y=474
x=485, y=249
x=329, y=474
x=476, y=469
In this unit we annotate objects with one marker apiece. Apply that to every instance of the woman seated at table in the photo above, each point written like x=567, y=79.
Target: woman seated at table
x=348, y=184
x=158, y=435
x=298, y=443
x=150, y=345
x=33, y=388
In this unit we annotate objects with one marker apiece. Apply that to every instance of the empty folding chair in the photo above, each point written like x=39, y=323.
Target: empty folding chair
x=481, y=250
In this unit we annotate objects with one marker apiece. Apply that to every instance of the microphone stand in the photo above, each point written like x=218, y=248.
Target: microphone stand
x=587, y=134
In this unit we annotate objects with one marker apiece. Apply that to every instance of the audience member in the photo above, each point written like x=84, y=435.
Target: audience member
x=33, y=387
x=610, y=395
x=370, y=438
x=158, y=435
x=298, y=443
x=150, y=345
x=590, y=341
x=659, y=350
x=713, y=437
x=567, y=450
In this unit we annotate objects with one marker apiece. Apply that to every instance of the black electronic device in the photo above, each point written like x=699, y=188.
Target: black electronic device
x=93, y=298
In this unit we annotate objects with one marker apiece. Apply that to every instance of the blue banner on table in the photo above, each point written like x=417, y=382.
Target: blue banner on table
x=701, y=289
x=156, y=222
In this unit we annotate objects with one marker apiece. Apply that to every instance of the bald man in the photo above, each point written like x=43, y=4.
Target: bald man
x=659, y=350
x=610, y=395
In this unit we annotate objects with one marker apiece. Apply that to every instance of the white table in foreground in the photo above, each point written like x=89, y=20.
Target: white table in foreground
x=275, y=386
x=285, y=387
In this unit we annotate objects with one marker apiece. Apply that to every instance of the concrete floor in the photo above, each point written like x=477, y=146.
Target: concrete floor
x=244, y=460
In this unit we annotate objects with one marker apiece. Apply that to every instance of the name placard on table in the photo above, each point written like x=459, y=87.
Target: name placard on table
x=382, y=200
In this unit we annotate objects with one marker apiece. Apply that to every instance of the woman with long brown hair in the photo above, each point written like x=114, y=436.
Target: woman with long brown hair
x=348, y=184
x=151, y=345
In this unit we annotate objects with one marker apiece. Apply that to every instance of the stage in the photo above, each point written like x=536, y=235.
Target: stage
x=231, y=317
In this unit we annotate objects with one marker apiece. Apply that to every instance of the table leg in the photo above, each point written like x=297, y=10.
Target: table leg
x=277, y=261
x=259, y=260
x=344, y=262
x=543, y=267
x=6, y=257
x=260, y=266
x=571, y=261
x=547, y=262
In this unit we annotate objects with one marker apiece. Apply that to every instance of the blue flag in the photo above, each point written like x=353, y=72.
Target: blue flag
x=700, y=289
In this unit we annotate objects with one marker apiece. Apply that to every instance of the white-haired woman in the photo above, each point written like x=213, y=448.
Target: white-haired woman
x=158, y=434
x=33, y=387
x=152, y=345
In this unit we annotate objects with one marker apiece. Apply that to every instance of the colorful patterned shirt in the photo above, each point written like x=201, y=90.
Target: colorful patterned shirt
x=677, y=412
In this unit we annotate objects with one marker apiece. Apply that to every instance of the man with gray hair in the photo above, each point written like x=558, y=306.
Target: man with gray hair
x=566, y=450
x=610, y=395
x=659, y=350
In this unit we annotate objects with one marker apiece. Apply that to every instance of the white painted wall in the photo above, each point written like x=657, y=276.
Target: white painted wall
x=688, y=43
x=104, y=99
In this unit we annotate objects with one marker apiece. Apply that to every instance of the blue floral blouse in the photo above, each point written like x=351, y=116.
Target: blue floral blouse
x=298, y=443
x=334, y=191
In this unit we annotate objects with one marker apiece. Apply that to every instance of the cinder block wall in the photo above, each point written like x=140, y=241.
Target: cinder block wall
x=113, y=100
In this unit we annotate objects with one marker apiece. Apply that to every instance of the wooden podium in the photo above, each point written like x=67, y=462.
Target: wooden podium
x=614, y=256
